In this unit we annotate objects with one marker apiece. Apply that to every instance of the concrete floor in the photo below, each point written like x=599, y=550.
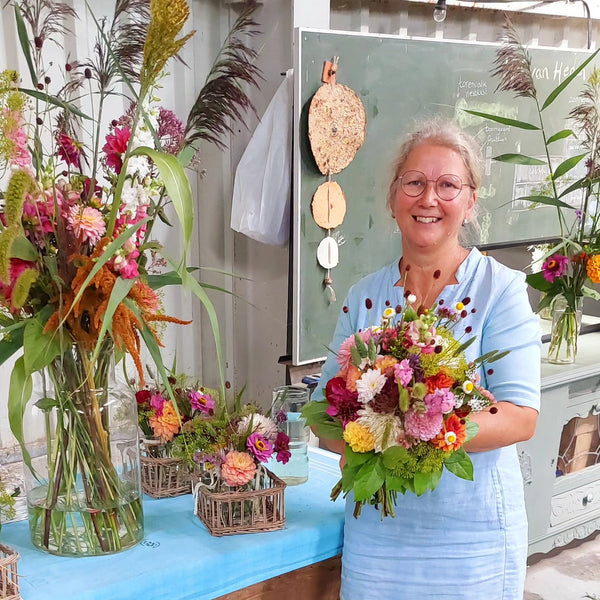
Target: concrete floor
x=570, y=573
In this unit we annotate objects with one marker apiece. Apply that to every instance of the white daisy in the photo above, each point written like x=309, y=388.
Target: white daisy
x=370, y=384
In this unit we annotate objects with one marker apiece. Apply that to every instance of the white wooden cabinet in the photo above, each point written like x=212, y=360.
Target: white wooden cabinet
x=563, y=505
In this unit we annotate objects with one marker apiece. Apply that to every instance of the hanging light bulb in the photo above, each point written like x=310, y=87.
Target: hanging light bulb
x=439, y=12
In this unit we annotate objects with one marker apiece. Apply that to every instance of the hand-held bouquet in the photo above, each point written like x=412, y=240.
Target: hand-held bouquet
x=401, y=401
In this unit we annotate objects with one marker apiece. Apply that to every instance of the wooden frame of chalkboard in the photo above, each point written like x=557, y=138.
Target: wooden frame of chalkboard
x=399, y=80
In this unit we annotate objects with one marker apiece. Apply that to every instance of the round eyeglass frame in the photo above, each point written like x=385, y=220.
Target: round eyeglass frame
x=444, y=191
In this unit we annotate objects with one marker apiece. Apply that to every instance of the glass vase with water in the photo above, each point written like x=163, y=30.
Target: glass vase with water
x=288, y=401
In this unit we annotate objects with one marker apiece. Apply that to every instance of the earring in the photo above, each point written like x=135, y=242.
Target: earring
x=465, y=221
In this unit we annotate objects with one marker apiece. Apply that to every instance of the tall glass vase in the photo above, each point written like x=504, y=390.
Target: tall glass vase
x=84, y=486
x=566, y=323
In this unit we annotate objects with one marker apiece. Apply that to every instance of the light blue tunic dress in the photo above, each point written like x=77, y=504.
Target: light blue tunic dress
x=467, y=540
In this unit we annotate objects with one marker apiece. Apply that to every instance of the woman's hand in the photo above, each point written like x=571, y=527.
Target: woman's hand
x=506, y=425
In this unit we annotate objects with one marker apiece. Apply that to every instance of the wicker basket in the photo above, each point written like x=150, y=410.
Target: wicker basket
x=164, y=477
x=253, y=511
x=9, y=578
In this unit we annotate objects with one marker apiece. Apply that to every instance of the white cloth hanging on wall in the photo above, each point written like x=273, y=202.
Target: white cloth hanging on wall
x=262, y=184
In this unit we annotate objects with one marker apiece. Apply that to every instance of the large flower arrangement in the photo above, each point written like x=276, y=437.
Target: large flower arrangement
x=77, y=284
x=402, y=401
x=571, y=264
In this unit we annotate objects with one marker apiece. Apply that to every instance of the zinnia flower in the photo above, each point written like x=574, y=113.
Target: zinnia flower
x=358, y=437
x=260, y=447
x=238, y=468
x=166, y=425
x=201, y=402
x=87, y=223
x=593, y=268
x=555, y=266
x=452, y=436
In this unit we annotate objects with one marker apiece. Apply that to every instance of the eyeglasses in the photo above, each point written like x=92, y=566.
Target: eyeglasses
x=447, y=186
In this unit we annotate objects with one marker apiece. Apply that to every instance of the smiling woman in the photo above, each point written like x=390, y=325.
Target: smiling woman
x=433, y=191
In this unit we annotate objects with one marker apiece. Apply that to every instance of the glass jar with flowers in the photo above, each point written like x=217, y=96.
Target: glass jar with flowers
x=234, y=492
x=571, y=263
x=161, y=421
x=77, y=287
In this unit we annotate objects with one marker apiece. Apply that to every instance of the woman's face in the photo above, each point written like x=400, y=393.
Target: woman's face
x=427, y=221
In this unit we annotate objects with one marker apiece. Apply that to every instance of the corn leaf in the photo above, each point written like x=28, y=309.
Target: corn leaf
x=504, y=120
x=24, y=41
x=519, y=159
x=551, y=200
x=553, y=95
x=44, y=97
x=39, y=348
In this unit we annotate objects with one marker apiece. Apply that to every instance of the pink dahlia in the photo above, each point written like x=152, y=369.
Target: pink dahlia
x=87, y=223
x=423, y=426
x=238, y=468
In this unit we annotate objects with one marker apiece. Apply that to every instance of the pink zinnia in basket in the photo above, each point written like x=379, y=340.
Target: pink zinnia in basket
x=238, y=468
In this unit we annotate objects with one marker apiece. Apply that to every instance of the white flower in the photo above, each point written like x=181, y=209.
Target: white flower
x=411, y=299
x=370, y=384
x=538, y=255
x=138, y=165
x=386, y=428
x=133, y=196
x=467, y=387
x=260, y=424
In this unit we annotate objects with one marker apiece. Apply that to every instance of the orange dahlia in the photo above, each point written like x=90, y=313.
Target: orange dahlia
x=452, y=436
x=166, y=426
x=593, y=268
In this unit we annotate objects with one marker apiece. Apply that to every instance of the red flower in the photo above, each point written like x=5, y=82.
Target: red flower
x=143, y=396
x=343, y=403
x=282, y=447
x=115, y=148
x=452, y=436
x=68, y=149
x=439, y=381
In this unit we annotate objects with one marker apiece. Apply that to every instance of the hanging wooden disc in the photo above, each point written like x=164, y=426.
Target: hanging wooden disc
x=337, y=125
x=329, y=205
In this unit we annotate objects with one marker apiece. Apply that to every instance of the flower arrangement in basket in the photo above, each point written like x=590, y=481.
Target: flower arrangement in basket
x=571, y=264
x=84, y=189
x=9, y=578
x=402, y=401
x=160, y=421
x=233, y=491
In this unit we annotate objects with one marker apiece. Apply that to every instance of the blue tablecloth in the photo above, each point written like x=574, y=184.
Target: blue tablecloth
x=178, y=559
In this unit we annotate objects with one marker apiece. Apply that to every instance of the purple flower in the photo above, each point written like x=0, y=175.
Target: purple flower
x=555, y=266
x=260, y=447
x=579, y=214
x=202, y=402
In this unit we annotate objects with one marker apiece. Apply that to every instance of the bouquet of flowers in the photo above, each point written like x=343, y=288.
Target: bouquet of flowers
x=229, y=450
x=401, y=401
x=571, y=264
x=79, y=267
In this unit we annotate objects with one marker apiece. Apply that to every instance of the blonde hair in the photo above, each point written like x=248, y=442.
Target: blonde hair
x=438, y=131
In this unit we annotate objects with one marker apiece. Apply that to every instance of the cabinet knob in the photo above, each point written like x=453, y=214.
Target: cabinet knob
x=588, y=499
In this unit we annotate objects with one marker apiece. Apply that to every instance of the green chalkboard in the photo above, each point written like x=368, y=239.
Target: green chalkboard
x=399, y=80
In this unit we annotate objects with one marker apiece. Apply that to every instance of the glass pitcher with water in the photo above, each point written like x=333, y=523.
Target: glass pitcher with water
x=289, y=400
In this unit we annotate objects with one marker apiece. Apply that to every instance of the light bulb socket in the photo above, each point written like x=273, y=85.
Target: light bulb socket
x=439, y=12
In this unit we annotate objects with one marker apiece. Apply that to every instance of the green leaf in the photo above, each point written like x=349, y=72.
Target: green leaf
x=403, y=398
x=396, y=483
x=349, y=476
x=504, y=120
x=426, y=481
x=559, y=136
x=361, y=346
x=329, y=430
x=556, y=91
x=66, y=106
x=590, y=293
x=567, y=165
x=19, y=392
x=39, y=348
x=178, y=188
x=11, y=341
x=519, y=159
x=22, y=248
x=463, y=346
x=550, y=200
x=460, y=464
x=372, y=351
x=538, y=282
x=357, y=458
x=315, y=412
x=46, y=403
x=584, y=182
x=24, y=41
x=472, y=428
x=369, y=479
x=393, y=456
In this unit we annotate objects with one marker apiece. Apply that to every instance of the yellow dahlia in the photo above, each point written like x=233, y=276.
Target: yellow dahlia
x=359, y=438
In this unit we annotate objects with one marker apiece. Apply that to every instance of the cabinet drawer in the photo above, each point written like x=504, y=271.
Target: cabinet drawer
x=576, y=503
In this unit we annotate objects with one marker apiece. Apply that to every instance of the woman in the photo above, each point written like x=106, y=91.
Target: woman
x=467, y=539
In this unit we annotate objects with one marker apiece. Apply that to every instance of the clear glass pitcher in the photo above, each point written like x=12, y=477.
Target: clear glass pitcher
x=288, y=401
